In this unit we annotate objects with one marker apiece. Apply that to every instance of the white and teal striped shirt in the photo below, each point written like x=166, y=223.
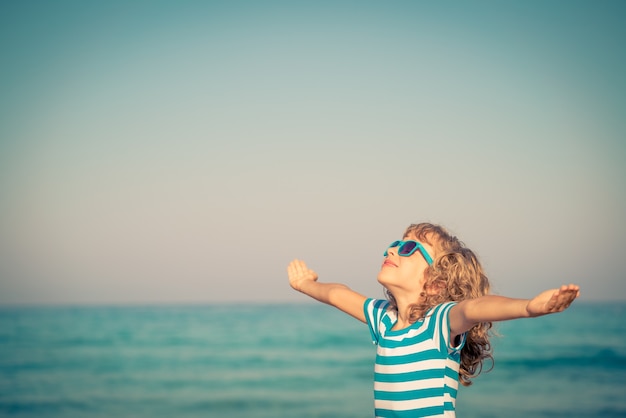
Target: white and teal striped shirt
x=417, y=371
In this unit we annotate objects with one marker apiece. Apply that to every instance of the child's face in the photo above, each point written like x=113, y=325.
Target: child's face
x=404, y=274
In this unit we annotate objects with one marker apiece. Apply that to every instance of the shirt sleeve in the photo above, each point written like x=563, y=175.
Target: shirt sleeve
x=442, y=316
x=374, y=310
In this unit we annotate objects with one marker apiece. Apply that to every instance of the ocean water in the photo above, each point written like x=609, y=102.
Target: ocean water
x=291, y=361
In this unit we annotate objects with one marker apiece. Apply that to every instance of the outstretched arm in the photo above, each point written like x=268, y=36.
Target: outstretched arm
x=304, y=280
x=468, y=313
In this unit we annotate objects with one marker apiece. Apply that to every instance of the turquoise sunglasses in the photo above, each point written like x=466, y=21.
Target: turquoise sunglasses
x=407, y=248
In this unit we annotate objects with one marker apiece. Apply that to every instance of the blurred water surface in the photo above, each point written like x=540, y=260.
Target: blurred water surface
x=284, y=361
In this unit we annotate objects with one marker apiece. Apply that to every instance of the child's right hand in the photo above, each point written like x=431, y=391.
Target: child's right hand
x=299, y=273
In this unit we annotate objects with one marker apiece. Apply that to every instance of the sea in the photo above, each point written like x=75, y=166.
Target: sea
x=285, y=361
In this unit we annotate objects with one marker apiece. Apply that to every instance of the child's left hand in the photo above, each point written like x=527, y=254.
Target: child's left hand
x=552, y=301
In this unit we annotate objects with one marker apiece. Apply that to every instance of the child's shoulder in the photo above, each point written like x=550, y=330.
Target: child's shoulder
x=377, y=304
x=440, y=308
x=378, y=309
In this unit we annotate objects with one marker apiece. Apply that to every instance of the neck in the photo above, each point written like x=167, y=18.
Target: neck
x=405, y=306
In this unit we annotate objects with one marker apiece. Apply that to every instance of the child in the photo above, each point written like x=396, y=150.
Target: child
x=432, y=332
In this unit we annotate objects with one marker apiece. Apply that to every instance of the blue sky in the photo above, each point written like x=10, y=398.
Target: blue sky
x=187, y=151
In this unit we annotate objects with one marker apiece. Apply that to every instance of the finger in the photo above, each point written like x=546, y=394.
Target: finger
x=565, y=299
x=294, y=269
x=554, y=300
x=570, y=293
x=300, y=267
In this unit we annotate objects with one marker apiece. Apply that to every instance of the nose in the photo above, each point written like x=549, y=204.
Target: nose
x=392, y=250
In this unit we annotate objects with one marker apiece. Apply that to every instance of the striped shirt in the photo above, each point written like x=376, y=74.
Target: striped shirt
x=417, y=371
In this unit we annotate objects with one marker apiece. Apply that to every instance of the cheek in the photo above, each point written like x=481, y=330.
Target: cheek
x=420, y=273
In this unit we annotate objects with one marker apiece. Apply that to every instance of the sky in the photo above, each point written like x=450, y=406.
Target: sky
x=185, y=152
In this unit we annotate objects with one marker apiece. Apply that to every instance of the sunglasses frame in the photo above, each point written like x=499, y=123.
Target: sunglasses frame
x=418, y=246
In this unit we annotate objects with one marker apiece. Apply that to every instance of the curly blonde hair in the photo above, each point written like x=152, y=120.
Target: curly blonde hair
x=456, y=275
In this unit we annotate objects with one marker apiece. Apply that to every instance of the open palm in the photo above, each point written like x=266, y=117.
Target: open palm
x=299, y=272
x=552, y=301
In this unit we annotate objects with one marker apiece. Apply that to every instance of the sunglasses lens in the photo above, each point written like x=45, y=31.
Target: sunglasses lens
x=407, y=248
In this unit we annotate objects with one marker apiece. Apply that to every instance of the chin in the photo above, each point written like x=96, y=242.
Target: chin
x=381, y=279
